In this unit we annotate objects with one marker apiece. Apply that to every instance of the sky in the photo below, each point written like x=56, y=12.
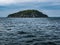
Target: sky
x=49, y=7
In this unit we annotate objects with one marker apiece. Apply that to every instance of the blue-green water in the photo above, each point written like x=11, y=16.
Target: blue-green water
x=29, y=31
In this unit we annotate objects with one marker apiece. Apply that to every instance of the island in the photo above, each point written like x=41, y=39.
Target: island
x=28, y=14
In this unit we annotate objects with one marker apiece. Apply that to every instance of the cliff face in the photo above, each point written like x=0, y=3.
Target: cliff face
x=28, y=14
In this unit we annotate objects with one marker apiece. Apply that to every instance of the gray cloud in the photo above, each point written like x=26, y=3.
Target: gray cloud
x=49, y=7
x=8, y=2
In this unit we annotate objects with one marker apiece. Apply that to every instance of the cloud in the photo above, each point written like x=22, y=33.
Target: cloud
x=8, y=2
x=5, y=2
x=49, y=7
x=42, y=5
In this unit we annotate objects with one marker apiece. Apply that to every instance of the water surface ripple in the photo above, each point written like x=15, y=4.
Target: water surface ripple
x=29, y=31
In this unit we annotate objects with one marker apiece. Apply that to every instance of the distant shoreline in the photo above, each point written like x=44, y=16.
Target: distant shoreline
x=27, y=17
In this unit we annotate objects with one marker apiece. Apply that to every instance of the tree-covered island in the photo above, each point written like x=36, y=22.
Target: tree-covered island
x=28, y=14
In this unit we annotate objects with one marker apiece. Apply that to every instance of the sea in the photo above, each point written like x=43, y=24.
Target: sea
x=30, y=31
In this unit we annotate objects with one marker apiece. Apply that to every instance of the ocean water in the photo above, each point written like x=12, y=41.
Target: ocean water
x=29, y=31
